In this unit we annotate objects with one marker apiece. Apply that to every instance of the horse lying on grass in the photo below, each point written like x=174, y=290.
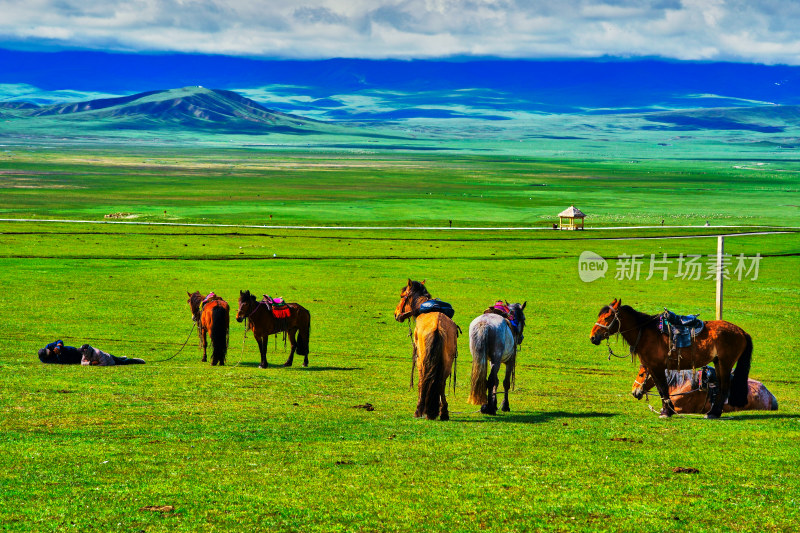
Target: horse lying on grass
x=691, y=394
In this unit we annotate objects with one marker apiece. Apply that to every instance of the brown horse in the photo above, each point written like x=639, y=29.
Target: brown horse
x=688, y=396
x=435, y=341
x=263, y=324
x=212, y=315
x=720, y=342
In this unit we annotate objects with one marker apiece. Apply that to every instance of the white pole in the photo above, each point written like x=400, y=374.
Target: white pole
x=720, y=252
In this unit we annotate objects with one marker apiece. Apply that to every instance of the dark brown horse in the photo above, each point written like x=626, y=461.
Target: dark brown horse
x=212, y=316
x=720, y=342
x=263, y=324
x=435, y=341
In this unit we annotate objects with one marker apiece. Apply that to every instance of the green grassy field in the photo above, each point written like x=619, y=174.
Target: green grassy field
x=240, y=448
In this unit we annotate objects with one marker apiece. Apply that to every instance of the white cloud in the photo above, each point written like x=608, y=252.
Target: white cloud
x=738, y=30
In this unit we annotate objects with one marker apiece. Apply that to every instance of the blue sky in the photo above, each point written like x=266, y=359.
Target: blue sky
x=763, y=31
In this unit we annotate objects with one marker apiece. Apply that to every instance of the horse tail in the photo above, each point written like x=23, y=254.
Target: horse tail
x=739, y=385
x=220, y=322
x=431, y=381
x=479, y=341
x=303, y=330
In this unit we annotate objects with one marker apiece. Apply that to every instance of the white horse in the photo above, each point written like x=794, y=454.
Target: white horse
x=493, y=339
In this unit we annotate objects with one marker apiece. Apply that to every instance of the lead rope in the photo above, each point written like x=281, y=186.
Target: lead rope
x=241, y=356
x=413, y=353
x=182, y=346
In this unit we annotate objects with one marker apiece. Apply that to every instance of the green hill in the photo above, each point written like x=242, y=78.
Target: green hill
x=185, y=109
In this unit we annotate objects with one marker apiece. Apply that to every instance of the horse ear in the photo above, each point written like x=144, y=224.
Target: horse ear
x=409, y=282
x=423, y=282
x=189, y=294
x=524, y=304
x=617, y=304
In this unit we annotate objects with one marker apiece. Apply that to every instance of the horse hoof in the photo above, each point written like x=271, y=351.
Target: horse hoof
x=305, y=365
x=417, y=414
x=444, y=417
x=485, y=410
x=505, y=408
x=203, y=360
x=712, y=416
x=287, y=364
x=263, y=366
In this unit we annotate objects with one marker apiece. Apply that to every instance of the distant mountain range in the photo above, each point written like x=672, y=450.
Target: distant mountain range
x=188, y=107
x=77, y=93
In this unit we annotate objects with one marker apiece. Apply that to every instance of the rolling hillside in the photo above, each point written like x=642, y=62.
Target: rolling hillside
x=188, y=108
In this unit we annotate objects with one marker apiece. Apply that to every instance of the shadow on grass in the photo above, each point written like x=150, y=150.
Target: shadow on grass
x=327, y=368
x=764, y=416
x=308, y=369
x=532, y=418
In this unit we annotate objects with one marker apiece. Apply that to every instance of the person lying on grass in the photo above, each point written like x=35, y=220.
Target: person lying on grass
x=56, y=353
x=93, y=356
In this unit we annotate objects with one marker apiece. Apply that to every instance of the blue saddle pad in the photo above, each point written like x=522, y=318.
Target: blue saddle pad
x=681, y=328
x=437, y=306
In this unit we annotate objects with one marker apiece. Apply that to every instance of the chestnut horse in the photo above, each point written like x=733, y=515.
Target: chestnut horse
x=212, y=315
x=263, y=324
x=720, y=342
x=688, y=397
x=435, y=341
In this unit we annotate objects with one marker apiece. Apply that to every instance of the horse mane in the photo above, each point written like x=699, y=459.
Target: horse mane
x=419, y=289
x=519, y=313
x=643, y=320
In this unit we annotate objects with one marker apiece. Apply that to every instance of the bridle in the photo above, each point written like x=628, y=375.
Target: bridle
x=404, y=302
x=610, y=324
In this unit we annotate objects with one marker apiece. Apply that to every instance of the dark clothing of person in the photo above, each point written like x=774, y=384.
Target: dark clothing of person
x=67, y=355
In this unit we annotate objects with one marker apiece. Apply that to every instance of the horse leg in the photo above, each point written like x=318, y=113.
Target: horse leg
x=506, y=386
x=490, y=407
x=420, y=411
x=293, y=342
x=262, y=348
x=724, y=385
x=444, y=412
x=204, y=342
x=660, y=379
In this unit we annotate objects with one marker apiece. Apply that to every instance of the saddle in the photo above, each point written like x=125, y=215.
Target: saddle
x=681, y=329
x=437, y=306
x=499, y=308
x=210, y=298
x=278, y=307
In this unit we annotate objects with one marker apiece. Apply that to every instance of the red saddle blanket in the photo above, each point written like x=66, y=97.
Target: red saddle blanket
x=279, y=308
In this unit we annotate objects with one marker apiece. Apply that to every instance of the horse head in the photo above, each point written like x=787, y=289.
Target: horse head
x=607, y=323
x=247, y=304
x=642, y=384
x=409, y=296
x=194, y=304
x=518, y=311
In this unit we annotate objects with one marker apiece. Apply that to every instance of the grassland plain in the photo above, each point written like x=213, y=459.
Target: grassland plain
x=243, y=448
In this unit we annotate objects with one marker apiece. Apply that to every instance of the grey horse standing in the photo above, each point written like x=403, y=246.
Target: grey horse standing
x=493, y=340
